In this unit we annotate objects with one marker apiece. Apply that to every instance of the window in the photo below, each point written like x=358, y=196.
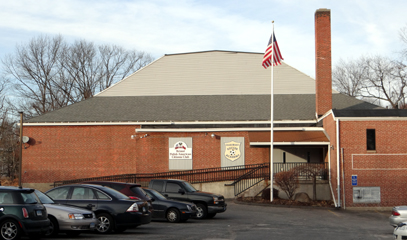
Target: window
x=284, y=157
x=6, y=198
x=83, y=193
x=102, y=196
x=59, y=193
x=371, y=139
x=158, y=185
x=172, y=187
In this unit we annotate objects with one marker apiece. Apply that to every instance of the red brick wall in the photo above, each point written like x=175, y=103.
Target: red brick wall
x=384, y=168
x=69, y=152
x=323, y=68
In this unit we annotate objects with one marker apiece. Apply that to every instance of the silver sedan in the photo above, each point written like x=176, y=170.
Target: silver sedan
x=398, y=215
x=67, y=219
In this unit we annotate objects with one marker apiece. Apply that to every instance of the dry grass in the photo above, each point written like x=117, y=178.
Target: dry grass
x=8, y=182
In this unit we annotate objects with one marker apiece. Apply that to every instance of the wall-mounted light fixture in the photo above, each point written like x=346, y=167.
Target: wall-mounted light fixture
x=144, y=136
x=215, y=136
x=332, y=147
x=25, y=141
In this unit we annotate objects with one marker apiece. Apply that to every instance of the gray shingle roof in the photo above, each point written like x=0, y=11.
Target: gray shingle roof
x=195, y=108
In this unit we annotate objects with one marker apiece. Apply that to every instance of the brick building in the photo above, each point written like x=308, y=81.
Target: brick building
x=186, y=111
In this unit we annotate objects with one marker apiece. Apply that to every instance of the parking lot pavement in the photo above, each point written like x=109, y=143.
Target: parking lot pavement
x=264, y=222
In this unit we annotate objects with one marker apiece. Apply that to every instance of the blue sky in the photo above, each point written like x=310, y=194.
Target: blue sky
x=359, y=27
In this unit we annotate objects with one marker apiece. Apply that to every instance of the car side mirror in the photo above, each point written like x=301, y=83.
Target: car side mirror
x=182, y=191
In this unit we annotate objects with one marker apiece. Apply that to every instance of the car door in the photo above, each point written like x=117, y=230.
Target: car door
x=83, y=197
x=173, y=190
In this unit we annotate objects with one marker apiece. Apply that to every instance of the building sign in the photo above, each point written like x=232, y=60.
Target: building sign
x=354, y=180
x=232, y=151
x=180, y=150
x=366, y=194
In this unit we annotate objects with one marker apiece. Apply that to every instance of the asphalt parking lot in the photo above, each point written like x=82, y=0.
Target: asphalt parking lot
x=242, y=221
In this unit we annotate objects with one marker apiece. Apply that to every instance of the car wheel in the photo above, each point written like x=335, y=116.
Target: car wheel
x=211, y=215
x=73, y=233
x=201, y=211
x=10, y=230
x=53, y=228
x=105, y=223
x=173, y=215
x=120, y=229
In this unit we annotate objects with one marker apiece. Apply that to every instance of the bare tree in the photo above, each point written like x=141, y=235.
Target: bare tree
x=348, y=77
x=376, y=79
x=311, y=171
x=49, y=73
x=288, y=182
x=8, y=138
x=34, y=67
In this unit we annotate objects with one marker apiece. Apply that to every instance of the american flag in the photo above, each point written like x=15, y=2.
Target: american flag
x=277, y=54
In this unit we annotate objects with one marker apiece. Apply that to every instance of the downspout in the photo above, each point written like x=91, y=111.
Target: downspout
x=338, y=176
x=343, y=179
x=329, y=167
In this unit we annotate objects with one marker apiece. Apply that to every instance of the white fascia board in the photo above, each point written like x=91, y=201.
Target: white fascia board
x=288, y=143
x=226, y=129
x=372, y=118
x=201, y=129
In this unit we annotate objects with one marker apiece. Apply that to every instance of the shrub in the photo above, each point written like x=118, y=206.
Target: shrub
x=288, y=182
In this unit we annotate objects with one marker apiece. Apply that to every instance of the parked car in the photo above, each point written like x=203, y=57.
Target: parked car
x=114, y=210
x=400, y=231
x=132, y=190
x=398, y=215
x=208, y=204
x=173, y=211
x=21, y=212
x=67, y=219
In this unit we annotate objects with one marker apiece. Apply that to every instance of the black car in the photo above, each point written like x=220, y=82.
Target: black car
x=173, y=211
x=208, y=204
x=21, y=212
x=114, y=210
x=132, y=190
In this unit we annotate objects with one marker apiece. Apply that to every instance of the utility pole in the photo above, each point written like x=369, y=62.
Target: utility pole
x=21, y=150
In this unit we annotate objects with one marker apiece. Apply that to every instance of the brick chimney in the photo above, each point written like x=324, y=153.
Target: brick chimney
x=323, y=65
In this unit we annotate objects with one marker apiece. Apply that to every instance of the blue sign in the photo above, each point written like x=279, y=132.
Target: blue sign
x=354, y=180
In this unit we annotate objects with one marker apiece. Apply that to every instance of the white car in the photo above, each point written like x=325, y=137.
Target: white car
x=398, y=215
x=400, y=232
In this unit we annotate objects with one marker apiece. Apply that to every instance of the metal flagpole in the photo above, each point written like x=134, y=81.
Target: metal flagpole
x=272, y=114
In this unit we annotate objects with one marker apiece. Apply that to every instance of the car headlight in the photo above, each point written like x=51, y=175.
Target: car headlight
x=189, y=207
x=93, y=215
x=75, y=216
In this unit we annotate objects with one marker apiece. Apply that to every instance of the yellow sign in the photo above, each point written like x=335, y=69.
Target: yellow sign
x=232, y=151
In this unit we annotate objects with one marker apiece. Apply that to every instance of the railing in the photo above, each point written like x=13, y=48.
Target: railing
x=199, y=175
x=193, y=176
x=250, y=178
x=282, y=167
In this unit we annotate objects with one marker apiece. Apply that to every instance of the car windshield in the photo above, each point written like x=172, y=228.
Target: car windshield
x=44, y=198
x=189, y=187
x=154, y=194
